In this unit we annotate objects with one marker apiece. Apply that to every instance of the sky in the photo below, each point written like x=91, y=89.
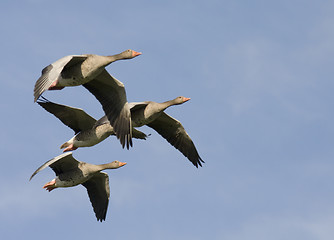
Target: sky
x=260, y=78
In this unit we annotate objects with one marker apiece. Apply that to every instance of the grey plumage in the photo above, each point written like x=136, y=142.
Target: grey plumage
x=151, y=114
x=71, y=172
x=83, y=124
x=89, y=70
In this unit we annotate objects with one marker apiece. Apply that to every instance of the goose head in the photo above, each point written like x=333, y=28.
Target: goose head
x=180, y=100
x=116, y=164
x=128, y=54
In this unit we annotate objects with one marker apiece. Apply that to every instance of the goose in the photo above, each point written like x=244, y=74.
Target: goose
x=88, y=131
x=152, y=114
x=89, y=70
x=71, y=172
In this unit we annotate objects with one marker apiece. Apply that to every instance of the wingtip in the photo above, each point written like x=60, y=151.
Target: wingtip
x=125, y=140
x=36, y=97
x=32, y=176
x=198, y=162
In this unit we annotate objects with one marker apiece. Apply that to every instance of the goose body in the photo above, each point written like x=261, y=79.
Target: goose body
x=89, y=70
x=89, y=137
x=71, y=172
x=152, y=114
x=88, y=131
x=75, y=70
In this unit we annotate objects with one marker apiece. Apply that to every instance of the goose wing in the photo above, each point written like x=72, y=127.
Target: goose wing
x=98, y=192
x=59, y=164
x=52, y=72
x=75, y=118
x=110, y=92
x=173, y=131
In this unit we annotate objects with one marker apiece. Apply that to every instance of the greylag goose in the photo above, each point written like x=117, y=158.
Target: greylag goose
x=71, y=172
x=152, y=114
x=89, y=70
x=88, y=131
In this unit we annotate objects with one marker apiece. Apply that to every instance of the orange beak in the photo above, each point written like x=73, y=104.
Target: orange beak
x=121, y=164
x=186, y=99
x=135, y=54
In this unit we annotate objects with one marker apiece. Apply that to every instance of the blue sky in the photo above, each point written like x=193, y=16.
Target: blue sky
x=259, y=75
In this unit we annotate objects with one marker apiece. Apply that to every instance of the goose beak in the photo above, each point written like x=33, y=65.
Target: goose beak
x=121, y=164
x=135, y=54
x=186, y=99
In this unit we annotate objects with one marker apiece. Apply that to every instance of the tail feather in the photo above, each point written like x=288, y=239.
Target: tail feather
x=138, y=134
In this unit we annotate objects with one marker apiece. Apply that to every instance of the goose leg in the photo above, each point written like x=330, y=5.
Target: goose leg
x=70, y=148
x=50, y=185
x=54, y=86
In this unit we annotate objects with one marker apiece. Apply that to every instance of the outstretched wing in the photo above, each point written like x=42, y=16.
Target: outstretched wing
x=98, y=192
x=52, y=72
x=173, y=131
x=75, y=118
x=110, y=92
x=59, y=164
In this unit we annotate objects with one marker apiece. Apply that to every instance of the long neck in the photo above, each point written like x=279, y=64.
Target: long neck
x=93, y=65
x=106, y=166
x=113, y=58
x=166, y=104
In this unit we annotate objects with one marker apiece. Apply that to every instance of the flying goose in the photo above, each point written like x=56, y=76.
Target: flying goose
x=89, y=70
x=88, y=131
x=152, y=114
x=71, y=172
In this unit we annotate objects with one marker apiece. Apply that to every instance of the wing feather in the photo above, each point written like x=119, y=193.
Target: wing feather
x=52, y=72
x=75, y=118
x=99, y=193
x=173, y=131
x=59, y=164
x=110, y=92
